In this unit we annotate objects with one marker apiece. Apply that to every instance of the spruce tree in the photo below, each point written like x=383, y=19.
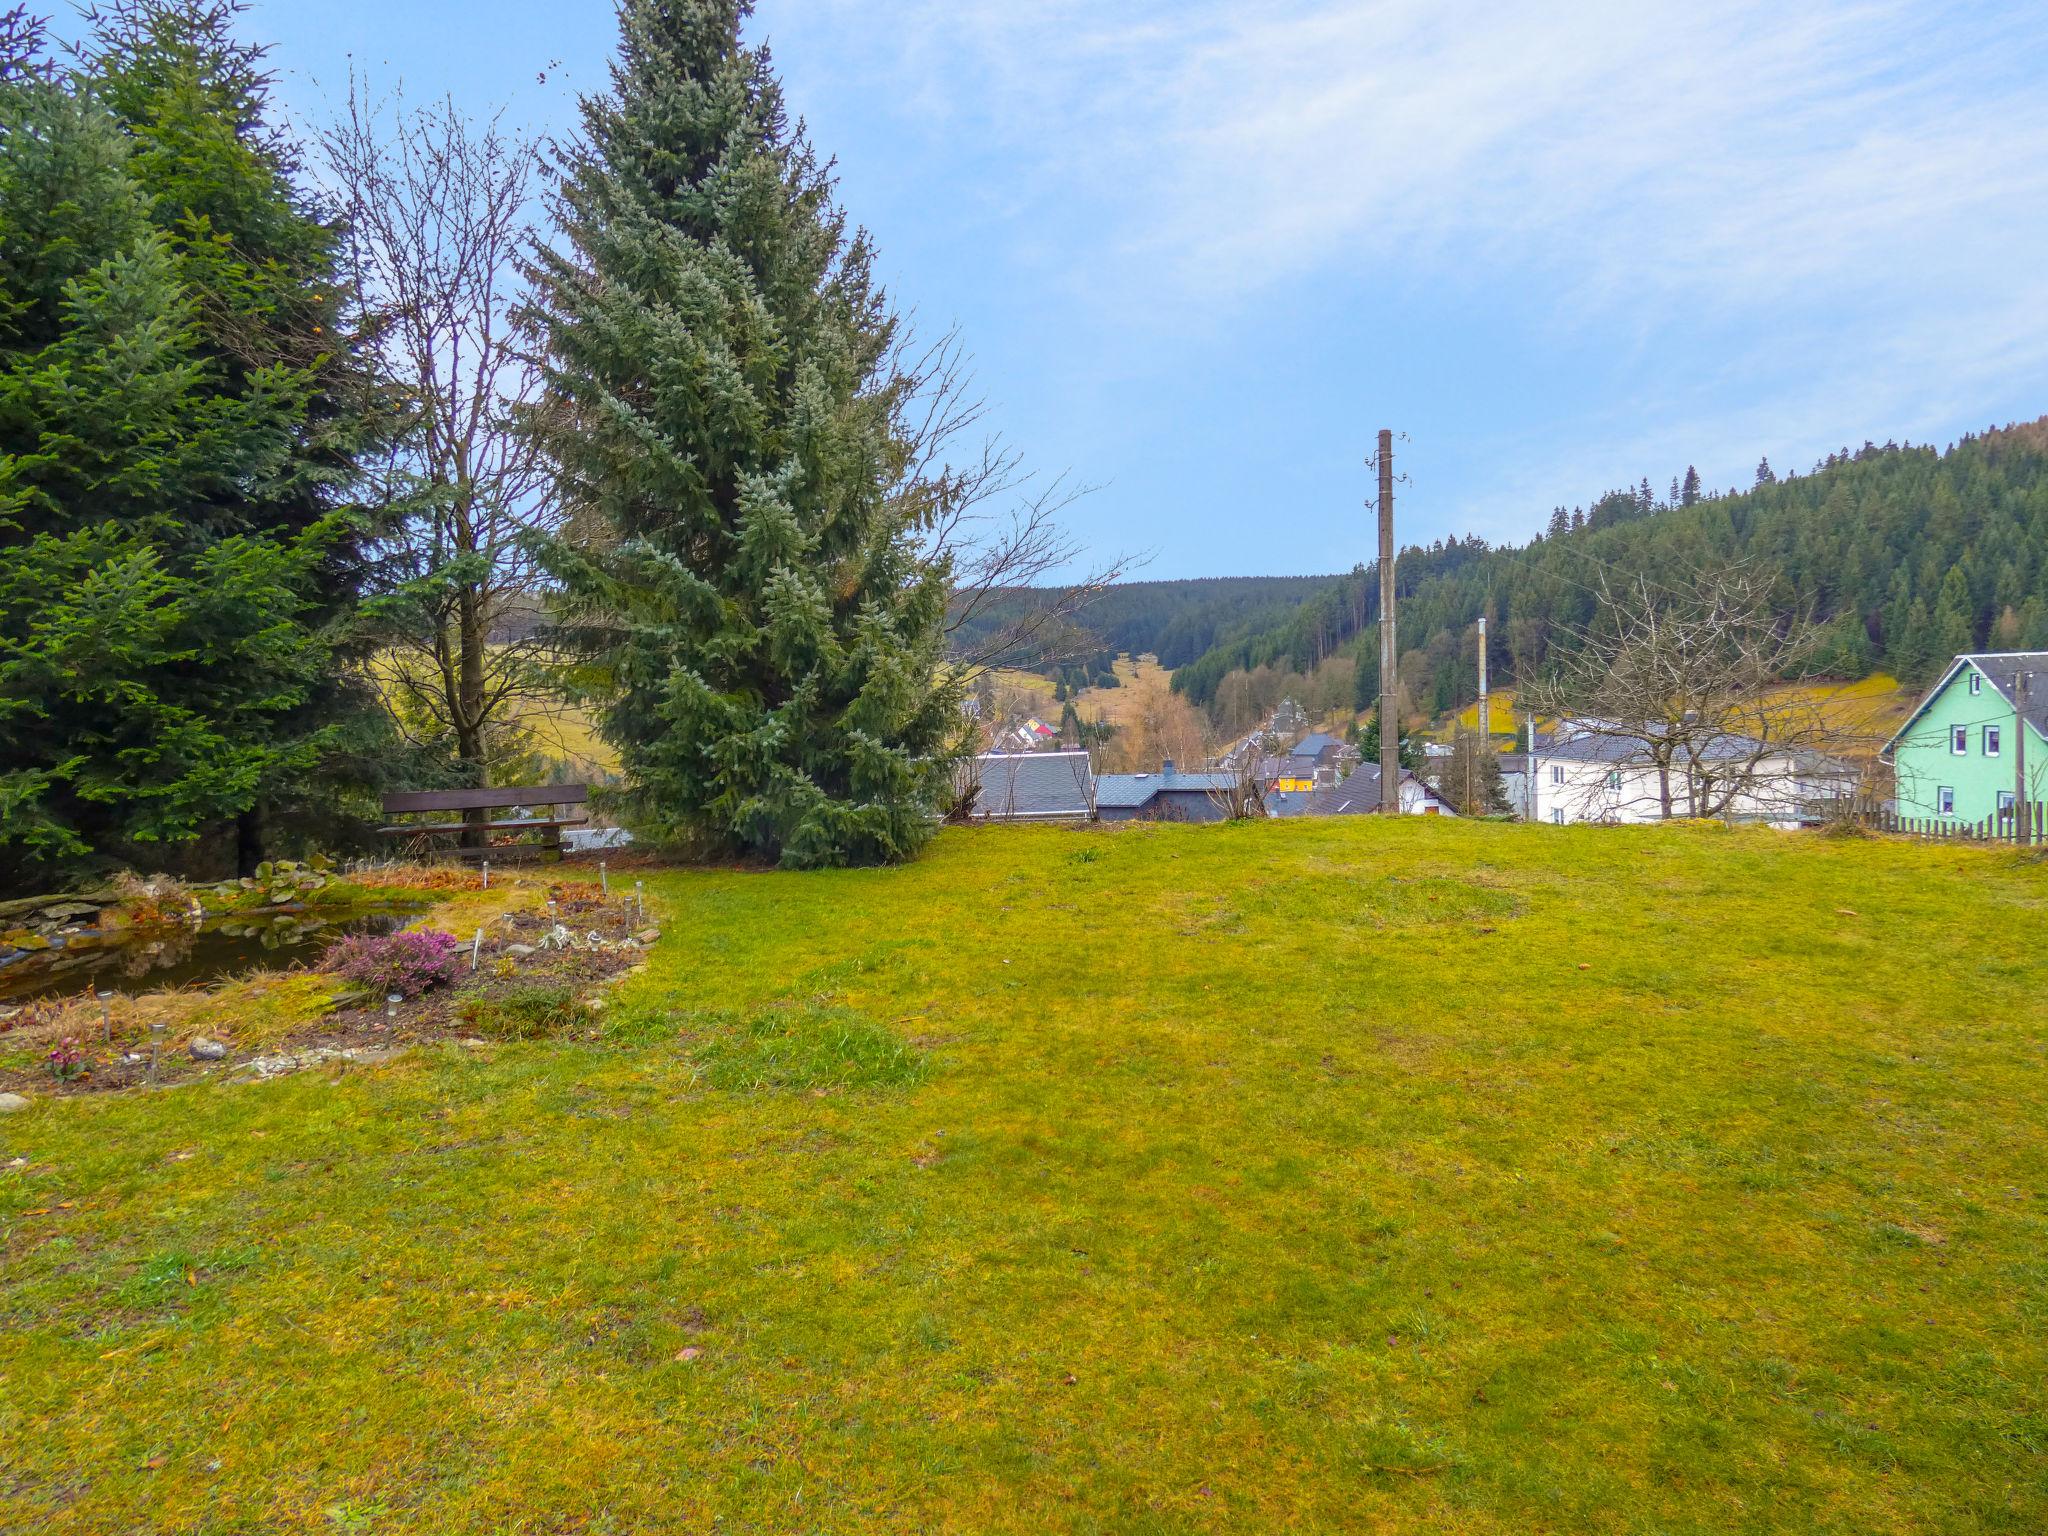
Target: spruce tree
x=174, y=559
x=743, y=577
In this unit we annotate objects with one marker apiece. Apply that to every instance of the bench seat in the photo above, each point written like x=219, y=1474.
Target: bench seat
x=515, y=825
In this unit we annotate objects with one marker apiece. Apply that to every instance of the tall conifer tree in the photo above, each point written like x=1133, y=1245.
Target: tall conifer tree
x=743, y=578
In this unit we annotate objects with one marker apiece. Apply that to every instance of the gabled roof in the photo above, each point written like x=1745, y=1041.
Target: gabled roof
x=2002, y=670
x=1358, y=795
x=1128, y=791
x=1033, y=785
x=1315, y=744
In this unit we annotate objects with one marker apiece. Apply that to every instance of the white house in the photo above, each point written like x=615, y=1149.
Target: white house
x=1579, y=773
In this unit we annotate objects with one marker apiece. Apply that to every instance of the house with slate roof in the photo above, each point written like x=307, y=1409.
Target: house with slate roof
x=1955, y=758
x=1030, y=786
x=1582, y=773
x=1168, y=795
x=1359, y=795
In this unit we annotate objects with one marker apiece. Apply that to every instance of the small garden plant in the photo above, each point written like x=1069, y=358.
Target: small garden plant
x=407, y=963
x=531, y=1013
x=67, y=1062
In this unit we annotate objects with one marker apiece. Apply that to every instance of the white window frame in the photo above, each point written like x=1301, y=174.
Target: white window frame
x=1959, y=741
x=1614, y=780
x=1557, y=773
x=1992, y=741
x=1557, y=815
x=1945, y=801
x=1976, y=684
x=2005, y=802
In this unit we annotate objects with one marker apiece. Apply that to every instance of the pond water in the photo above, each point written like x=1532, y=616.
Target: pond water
x=147, y=959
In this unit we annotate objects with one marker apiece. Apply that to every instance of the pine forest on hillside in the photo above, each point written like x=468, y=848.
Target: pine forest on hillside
x=1907, y=555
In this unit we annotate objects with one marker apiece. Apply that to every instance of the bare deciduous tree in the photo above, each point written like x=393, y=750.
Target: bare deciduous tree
x=439, y=210
x=1682, y=688
x=1243, y=796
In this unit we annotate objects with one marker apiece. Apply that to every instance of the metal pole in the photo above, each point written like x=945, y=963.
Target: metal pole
x=1485, y=719
x=1390, y=723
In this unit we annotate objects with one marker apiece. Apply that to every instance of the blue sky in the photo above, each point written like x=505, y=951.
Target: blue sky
x=1202, y=250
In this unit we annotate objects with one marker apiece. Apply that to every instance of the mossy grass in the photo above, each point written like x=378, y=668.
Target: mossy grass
x=1332, y=1175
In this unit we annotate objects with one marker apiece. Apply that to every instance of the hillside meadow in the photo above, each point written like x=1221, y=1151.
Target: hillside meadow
x=1309, y=1175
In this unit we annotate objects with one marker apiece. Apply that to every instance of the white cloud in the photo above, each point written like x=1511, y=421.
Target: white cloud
x=1847, y=198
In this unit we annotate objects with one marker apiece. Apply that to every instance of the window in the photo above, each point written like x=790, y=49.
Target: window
x=1614, y=778
x=1991, y=741
x=1558, y=817
x=2005, y=802
x=1557, y=773
x=1959, y=740
x=1945, y=801
x=1976, y=684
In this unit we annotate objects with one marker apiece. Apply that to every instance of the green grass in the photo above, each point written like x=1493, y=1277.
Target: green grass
x=1321, y=1175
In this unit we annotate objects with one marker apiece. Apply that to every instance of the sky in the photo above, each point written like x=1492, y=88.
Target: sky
x=1203, y=250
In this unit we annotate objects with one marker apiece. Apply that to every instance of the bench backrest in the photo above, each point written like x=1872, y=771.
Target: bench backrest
x=485, y=799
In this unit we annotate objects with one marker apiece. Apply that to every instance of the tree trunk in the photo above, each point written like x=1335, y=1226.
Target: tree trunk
x=248, y=841
x=469, y=700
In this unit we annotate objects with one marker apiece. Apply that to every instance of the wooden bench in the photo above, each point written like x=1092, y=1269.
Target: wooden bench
x=568, y=805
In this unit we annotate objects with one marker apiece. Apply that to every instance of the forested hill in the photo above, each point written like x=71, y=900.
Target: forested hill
x=1909, y=554
x=1175, y=620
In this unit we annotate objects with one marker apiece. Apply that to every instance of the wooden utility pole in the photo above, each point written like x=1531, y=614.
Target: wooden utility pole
x=1390, y=722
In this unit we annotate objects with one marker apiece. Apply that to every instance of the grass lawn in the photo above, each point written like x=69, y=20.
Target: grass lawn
x=1310, y=1175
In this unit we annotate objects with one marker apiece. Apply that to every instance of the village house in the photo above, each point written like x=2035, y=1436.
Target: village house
x=1168, y=795
x=1579, y=773
x=1958, y=756
x=1359, y=795
x=1029, y=786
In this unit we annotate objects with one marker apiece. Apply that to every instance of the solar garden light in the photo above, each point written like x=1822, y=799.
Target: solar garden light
x=552, y=919
x=476, y=950
x=604, y=880
x=391, y=1003
x=156, y=1039
x=487, y=874
x=106, y=998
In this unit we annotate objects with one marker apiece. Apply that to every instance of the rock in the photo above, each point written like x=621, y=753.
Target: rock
x=203, y=1049
x=648, y=936
x=12, y=1103
x=520, y=951
x=64, y=911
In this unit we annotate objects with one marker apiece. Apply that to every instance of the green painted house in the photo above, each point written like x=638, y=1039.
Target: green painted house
x=1956, y=756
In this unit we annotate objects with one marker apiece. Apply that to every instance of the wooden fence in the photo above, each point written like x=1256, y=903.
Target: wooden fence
x=2024, y=826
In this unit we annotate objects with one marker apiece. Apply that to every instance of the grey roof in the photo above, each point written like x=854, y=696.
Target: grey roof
x=1315, y=744
x=1591, y=747
x=1358, y=795
x=1033, y=785
x=1126, y=791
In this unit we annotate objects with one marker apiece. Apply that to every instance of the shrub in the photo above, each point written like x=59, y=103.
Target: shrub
x=406, y=963
x=530, y=1013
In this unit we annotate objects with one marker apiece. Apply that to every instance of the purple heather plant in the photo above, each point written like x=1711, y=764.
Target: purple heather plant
x=406, y=963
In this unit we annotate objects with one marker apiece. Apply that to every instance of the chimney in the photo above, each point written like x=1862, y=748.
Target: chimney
x=1166, y=767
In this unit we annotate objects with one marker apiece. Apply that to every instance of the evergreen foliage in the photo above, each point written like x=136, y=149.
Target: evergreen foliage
x=1176, y=621
x=743, y=577
x=177, y=425
x=1907, y=554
